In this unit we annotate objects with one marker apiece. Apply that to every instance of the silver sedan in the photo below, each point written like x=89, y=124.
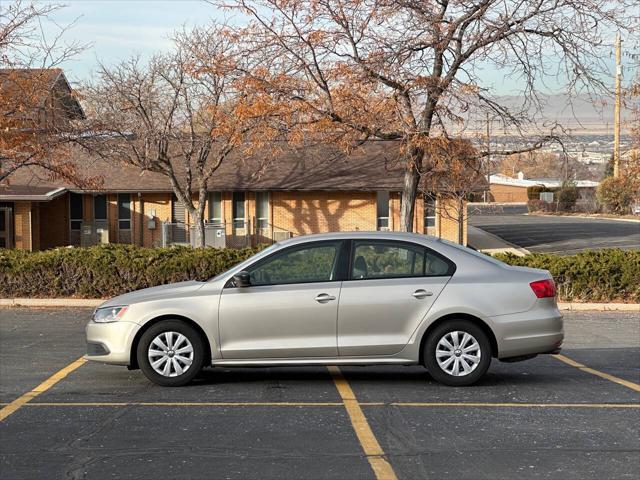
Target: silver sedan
x=337, y=299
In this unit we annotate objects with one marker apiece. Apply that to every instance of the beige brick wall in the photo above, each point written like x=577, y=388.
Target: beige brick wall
x=54, y=222
x=447, y=213
x=314, y=212
x=297, y=212
x=22, y=225
x=508, y=193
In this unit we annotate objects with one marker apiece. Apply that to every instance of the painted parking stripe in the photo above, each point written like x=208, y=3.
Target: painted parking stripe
x=380, y=466
x=339, y=404
x=606, y=376
x=43, y=387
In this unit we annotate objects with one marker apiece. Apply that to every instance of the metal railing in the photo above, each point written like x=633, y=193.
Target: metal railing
x=221, y=235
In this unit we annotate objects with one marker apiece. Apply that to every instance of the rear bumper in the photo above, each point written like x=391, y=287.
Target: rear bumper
x=539, y=330
x=110, y=342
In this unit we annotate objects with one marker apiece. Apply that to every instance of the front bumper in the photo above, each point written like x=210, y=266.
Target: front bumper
x=110, y=342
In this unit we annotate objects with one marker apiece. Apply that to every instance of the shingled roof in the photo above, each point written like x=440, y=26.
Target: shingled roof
x=372, y=167
x=46, y=82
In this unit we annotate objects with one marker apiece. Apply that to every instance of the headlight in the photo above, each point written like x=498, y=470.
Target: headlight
x=109, y=314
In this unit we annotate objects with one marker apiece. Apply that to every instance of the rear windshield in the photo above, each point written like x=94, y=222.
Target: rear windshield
x=471, y=251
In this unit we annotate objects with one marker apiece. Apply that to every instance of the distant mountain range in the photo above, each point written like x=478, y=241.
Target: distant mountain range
x=582, y=114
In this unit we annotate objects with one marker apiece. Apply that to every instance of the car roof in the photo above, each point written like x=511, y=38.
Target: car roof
x=378, y=235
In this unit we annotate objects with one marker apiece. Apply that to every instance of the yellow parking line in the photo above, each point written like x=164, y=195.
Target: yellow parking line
x=43, y=387
x=381, y=467
x=606, y=376
x=186, y=404
x=336, y=404
x=513, y=405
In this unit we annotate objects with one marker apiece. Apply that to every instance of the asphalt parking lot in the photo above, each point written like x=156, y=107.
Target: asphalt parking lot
x=546, y=418
x=561, y=234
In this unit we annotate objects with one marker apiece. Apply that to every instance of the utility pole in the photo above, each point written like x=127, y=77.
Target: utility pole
x=616, y=128
x=487, y=192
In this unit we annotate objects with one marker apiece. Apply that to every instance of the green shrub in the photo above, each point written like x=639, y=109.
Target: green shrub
x=567, y=197
x=107, y=270
x=540, y=206
x=592, y=276
x=615, y=194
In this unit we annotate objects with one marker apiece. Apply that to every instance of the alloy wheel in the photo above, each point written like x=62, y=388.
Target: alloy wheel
x=458, y=353
x=170, y=354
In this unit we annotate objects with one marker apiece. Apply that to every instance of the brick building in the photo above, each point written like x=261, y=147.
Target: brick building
x=300, y=191
x=505, y=189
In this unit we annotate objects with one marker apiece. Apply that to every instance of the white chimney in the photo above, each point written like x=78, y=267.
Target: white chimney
x=520, y=175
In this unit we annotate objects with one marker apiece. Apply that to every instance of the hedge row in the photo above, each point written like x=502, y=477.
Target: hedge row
x=109, y=270
x=610, y=275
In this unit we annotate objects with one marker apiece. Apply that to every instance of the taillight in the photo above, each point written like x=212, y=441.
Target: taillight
x=544, y=288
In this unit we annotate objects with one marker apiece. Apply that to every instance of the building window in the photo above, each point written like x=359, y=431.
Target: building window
x=100, y=207
x=382, y=202
x=124, y=211
x=238, y=210
x=429, y=210
x=76, y=213
x=215, y=208
x=262, y=210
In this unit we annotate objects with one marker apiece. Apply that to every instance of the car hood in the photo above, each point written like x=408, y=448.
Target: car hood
x=172, y=290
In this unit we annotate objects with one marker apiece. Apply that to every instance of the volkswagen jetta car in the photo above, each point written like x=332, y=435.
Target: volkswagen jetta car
x=337, y=299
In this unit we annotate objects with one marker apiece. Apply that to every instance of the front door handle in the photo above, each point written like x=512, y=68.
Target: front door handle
x=324, y=298
x=422, y=293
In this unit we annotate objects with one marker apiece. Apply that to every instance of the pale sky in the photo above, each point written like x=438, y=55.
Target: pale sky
x=118, y=29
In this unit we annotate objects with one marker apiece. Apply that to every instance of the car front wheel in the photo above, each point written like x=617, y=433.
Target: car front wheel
x=457, y=353
x=170, y=353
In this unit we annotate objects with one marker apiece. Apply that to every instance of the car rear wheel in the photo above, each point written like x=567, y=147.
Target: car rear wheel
x=457, y=353
x=170, y=353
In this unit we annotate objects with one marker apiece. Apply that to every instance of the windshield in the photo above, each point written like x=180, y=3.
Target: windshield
x=246, y=262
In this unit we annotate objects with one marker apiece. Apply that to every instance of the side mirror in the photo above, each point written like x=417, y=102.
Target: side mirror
x=242, y=279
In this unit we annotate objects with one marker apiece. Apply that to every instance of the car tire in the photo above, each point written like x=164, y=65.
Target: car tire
x=171, y=353
x=440, y=359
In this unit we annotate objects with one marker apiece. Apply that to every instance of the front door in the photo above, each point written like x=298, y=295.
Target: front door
x=289, y=310
x=6, y=222
x=391, y=287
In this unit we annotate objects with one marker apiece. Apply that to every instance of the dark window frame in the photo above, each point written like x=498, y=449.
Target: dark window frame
x=236, y=220
x=263, y=222
x=212, y=219
x=424, y=206
x=106, y=208
x=73, y=219
x=124, y=220
x=426, y=250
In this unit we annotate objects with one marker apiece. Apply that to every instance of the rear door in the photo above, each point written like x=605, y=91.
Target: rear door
x=391, y=287
x=290, y=309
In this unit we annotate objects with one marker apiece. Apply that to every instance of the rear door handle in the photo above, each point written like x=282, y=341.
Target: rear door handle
x=422, y=293
x=324, y=298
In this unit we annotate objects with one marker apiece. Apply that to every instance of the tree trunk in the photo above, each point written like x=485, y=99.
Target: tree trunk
x=199, y=220
x=461, y=215
x=409, y=193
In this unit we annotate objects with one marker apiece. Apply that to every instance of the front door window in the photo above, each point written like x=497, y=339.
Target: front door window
x=307, y=264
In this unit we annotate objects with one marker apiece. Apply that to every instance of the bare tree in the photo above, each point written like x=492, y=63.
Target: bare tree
x=177, y=116
x=455, y=172
x=34, y=121
x=410, y=70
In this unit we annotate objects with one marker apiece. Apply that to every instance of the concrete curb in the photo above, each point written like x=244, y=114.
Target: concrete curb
x=588, y=217
x=50, y=302
x=91, y=302
x=600, y=307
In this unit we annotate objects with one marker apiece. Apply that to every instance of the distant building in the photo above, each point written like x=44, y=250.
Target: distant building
x=505, y=189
